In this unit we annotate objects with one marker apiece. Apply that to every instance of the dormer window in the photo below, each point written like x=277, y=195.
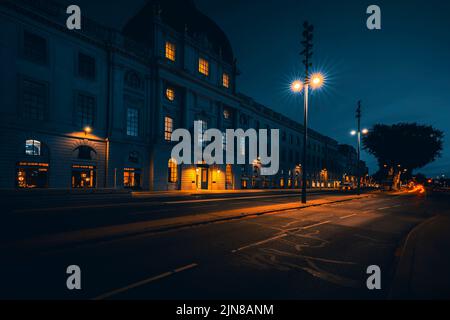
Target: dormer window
x=203, y=66
x=225, y=80
x=171, y=51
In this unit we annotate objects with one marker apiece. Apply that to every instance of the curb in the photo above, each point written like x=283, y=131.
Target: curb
x=400, y=287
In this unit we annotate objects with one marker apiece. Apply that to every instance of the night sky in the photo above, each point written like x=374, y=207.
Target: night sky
x=400, y=73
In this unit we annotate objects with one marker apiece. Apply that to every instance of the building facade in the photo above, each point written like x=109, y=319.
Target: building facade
x=96, y=108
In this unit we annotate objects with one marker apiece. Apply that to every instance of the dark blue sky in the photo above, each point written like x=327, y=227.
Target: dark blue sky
x=401, y=73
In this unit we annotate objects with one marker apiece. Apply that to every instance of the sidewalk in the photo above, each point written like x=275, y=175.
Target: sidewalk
x=423, y=271
x=160, y=225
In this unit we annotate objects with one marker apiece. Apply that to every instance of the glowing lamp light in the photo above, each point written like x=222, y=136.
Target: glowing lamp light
x=297, y=86
x=365, y=131
x=87, y=130
x=317, y=80
x=353, y=132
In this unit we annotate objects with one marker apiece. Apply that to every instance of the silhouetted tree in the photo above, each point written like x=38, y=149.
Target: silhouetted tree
x=403, y=147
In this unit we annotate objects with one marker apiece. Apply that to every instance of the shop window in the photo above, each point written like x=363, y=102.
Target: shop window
x=84, y=177
x=32, y=175
x=131, y=178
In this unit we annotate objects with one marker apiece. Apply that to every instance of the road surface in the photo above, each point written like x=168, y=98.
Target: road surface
x=318, y=252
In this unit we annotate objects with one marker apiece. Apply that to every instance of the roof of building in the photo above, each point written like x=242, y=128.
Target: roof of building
x=181, y=15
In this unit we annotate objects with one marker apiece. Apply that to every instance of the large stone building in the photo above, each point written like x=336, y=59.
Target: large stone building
x=96, y=108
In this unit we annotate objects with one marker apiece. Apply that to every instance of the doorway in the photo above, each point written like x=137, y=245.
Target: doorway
x=202, y=178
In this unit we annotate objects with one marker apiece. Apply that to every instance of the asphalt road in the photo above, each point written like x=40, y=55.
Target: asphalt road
x=42, y=216
x=314, y=253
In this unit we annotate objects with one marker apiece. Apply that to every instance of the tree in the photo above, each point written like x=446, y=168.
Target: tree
x=403, y=147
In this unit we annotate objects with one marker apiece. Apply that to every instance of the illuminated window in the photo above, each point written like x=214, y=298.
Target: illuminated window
x=32, y=148
x=226, y=80
x=168, y=128
x=131, y=178
x=170, y=51
x=229, y=176
x=132, y=122
x=173, y=171
x=226, y=114
x=203, y=66
x=170, y=94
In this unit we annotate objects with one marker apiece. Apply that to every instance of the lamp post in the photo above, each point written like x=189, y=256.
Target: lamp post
x=358, y=134
x=315, y=81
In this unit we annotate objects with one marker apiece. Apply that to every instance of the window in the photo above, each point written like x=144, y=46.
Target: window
x=86, y=66
x=242, y=146
x=35, y=99
x=170, y=94
x=35, y=48
x=202, y=127
x=86, y=153
x=168, y=128
x=229, y=176
x=131, y=178
x=172, y=171
x=133, y=80
x=226, y=80
x=32, y=148
x=133, y=157
x=226, y=114
x=32, y=175
x=132, y=122
x=203, y=66
x=86, y=110
x=170, y=51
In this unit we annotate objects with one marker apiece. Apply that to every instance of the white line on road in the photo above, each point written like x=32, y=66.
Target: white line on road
x=315, y=225
x=349, y=216
x=145, y=281
x=261, y=242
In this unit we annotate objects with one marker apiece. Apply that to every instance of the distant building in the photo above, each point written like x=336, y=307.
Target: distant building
x=96, y=108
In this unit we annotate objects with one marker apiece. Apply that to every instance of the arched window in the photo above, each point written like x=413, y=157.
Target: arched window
x=86, y=153
x=32, y=148
x=173, y=171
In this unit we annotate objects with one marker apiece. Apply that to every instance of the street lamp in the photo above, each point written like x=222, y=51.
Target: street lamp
x=314, y=80
x=358, y=133
x=87, y=130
